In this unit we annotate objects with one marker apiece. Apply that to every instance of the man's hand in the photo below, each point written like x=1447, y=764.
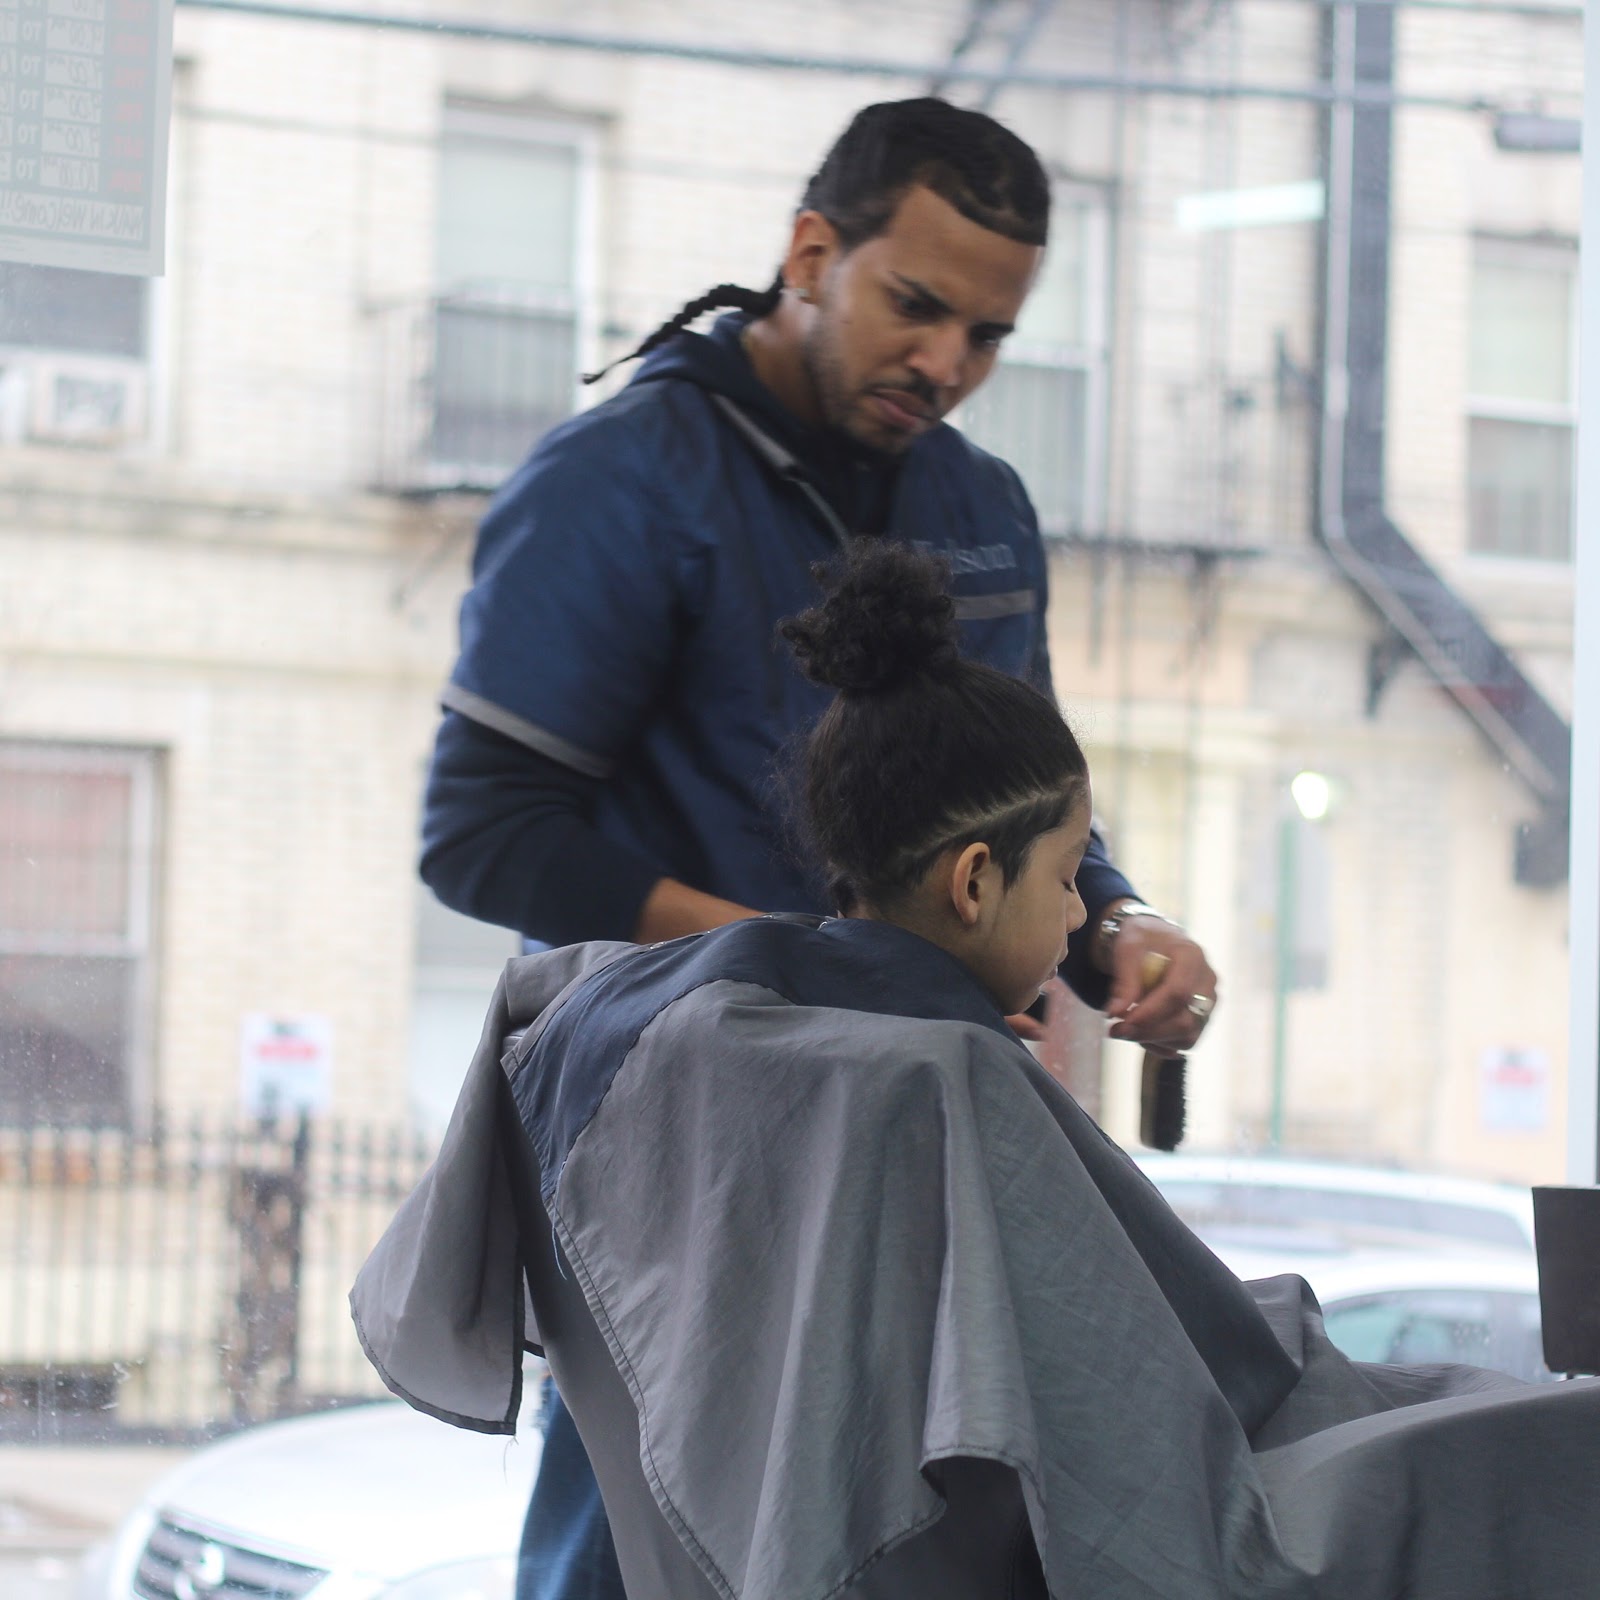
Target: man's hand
x=1171, y=1016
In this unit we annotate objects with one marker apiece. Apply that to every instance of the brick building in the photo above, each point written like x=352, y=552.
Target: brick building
x=236, y=508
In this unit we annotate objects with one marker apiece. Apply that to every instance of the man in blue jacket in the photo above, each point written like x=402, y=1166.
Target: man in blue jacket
x=610, y=761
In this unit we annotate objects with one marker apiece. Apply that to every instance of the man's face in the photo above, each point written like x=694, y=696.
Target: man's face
x=909, y=323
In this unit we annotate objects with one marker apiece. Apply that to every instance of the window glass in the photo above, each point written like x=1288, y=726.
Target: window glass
x=1035, y=410
x=1365, y=1329
x=1483, y=1328
x=1057, y=311
x=57, y=308
x=1034, y=414
x=507, y=208
x=1447, y=1327
x=502, y=338
x=1521, y=487
x=1519, y=446
x=1522, y=323
x=75, y=872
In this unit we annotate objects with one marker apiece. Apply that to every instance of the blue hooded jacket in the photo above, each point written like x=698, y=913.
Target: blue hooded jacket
x=630, y=576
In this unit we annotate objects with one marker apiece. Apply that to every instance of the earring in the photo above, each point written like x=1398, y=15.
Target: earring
x=803, y=294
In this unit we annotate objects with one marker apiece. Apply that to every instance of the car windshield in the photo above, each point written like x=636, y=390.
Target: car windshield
x=1481, y=1327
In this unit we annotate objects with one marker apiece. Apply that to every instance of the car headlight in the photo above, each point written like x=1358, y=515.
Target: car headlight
x=490, y=1578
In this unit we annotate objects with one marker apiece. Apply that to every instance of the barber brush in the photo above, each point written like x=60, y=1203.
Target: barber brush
x=1162, y=1091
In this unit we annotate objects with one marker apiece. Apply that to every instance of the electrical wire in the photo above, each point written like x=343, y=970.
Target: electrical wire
x=752, y=58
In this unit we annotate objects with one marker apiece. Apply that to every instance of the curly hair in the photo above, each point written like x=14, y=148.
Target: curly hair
x=921, y=749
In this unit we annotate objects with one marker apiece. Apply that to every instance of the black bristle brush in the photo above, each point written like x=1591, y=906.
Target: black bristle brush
x=1163, y=1093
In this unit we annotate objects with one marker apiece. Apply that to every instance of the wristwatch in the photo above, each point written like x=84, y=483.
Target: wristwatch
x=1111, y=924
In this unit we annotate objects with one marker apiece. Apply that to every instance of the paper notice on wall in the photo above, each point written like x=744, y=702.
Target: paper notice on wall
x=1514, y=1090
x=285, y=1064
x=85, y=102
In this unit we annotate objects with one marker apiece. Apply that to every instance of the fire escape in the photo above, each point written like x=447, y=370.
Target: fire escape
x=993, y=40
x=1424, y=616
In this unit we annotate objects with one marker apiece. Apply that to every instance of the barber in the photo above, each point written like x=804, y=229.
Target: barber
x=610, y=759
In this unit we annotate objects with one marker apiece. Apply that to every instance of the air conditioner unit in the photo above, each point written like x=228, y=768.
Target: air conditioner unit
x=86, y=400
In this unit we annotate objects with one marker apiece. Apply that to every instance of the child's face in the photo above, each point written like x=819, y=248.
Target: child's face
x=1026, y=935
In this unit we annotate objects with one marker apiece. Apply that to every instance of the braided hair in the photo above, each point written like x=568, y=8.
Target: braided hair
x=758, y=302
x=967, y=158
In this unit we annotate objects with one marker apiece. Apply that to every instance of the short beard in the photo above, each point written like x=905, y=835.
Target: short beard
x=825, y=369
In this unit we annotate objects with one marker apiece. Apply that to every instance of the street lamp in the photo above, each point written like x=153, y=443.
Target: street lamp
x=1312, y=794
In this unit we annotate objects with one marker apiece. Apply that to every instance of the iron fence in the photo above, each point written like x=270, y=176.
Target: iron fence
x=186, y=1278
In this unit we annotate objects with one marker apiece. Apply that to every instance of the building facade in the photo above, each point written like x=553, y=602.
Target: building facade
x=236, y=508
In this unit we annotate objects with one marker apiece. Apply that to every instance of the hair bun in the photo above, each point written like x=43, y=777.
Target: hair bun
x=888, y=618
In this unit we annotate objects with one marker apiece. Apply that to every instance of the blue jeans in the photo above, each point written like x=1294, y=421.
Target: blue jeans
x=566, y=1553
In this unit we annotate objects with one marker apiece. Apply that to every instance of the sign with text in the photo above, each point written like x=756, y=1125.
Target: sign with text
x=85, y=101
x=285, y=1064
x=1514, y=1090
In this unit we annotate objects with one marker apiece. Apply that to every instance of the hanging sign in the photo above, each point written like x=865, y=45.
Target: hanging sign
x=85, y=101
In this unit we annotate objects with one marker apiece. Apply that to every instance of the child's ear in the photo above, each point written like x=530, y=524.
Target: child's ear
x=969, y=882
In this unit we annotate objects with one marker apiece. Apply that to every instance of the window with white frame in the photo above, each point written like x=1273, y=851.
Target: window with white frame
x=506, y=324
x=77, y=842
x=1521, y=398
x=1042, y=407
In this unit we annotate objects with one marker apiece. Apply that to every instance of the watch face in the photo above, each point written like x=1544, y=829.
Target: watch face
x=1112, y=925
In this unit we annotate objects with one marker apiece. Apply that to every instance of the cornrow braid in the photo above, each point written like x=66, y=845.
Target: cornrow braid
x=729, y=296
x=967, y=158
x=1024, y=816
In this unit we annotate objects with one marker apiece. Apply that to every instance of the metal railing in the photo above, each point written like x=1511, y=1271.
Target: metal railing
x=181, y=1280
x=468, y=384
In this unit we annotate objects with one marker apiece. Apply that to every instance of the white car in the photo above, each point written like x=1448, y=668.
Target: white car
x=1238, y=1192
x=1408, y=1267
x=1414, y=1307
x=374, y=1502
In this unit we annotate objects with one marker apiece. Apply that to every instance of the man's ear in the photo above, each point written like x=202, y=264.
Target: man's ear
x=813, y=248
x=971, y=882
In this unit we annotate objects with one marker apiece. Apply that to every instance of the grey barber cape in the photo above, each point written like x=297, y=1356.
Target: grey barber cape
x=849, y=1298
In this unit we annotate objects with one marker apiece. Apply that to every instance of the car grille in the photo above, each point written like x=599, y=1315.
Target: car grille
x=182, y=1563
